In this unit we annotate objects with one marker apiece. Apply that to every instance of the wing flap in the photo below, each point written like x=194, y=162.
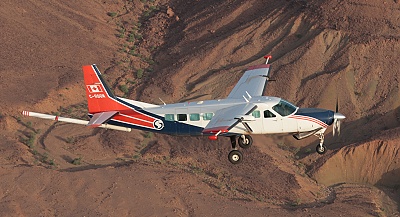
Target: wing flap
x=227, y=118
x=215, y=130
x=99, y=118
x=252, y=82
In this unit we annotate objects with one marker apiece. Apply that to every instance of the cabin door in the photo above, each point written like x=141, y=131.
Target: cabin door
x=182, y=119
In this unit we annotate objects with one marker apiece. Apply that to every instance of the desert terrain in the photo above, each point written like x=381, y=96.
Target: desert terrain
x=188, y=51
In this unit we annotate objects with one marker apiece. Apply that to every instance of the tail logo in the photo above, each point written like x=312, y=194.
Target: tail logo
x=94, y=88
x=96, y=91
x=158, y=124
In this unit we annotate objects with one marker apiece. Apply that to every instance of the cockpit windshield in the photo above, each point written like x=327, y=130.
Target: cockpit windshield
x=284, y=108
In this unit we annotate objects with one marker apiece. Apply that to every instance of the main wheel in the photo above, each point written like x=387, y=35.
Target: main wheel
x=321, y=149
x=245, y=141
x=235, y=156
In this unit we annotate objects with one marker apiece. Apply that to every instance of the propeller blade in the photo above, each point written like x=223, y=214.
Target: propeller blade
x=337, y=104
x=334, y=127
x=336, y=123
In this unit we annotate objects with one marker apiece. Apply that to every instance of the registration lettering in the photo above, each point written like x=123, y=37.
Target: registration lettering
x=97, y=96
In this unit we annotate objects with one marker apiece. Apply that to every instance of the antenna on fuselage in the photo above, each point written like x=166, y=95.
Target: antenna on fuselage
x=162, y=101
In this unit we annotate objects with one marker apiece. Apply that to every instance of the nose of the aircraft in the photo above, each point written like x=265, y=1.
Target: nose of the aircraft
x=338, y=116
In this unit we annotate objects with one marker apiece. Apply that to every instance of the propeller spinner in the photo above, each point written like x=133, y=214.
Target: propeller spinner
x=337, y=118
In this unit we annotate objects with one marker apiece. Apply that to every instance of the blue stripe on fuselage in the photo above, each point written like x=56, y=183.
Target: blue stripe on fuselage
x=170, y=127
x=323, y=115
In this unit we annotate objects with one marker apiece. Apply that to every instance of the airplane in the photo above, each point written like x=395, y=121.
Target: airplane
x=245, y=112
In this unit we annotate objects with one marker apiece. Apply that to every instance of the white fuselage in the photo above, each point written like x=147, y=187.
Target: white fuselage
x=266, y=119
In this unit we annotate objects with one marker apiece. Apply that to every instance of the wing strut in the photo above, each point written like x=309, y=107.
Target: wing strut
x=245, y=124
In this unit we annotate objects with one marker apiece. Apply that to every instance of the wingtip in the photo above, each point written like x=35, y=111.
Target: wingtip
x=213, y=138
x=267, y=57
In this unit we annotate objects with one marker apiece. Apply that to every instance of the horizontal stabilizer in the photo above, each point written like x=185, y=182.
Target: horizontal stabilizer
x=100, y=118
x=72, y=120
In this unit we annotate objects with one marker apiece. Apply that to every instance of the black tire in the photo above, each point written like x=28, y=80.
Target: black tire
x=321, y=150
x=246, y=142
x=235, y=156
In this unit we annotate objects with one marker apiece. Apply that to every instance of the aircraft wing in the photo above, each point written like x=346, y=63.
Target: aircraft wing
x=253, y=82
x=227, y=118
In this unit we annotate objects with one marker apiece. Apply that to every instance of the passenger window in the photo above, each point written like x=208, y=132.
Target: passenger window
x=256, y=114
x=268, y=114
x=194, y=117
x=169, y=117
x=207, y=116
x=182, y=117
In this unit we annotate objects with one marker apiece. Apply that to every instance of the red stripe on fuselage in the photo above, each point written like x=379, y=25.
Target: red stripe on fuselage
x=307, y=118
x=133, y=120
x=138, y=115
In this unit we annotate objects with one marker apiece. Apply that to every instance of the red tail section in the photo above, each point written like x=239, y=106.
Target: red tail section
x=104, y=105
x=99, y=96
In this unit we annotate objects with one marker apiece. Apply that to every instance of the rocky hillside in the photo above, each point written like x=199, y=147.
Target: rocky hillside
x=195, y=50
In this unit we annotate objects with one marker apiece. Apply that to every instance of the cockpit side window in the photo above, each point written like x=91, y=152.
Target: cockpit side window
x=268, y=114
x=284, y=108
x=256, y=114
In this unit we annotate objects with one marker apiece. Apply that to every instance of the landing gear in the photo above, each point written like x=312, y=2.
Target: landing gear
x=235, y=156
x=321, y=148
x=245, y=141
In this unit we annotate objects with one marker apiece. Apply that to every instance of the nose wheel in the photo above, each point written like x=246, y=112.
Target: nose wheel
x=321, y=148
x=245, y=141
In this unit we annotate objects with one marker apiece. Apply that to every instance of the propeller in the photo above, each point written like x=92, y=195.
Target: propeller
x=337, y=117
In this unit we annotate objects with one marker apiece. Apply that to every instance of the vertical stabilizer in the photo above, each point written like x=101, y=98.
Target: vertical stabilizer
x=98, y=94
